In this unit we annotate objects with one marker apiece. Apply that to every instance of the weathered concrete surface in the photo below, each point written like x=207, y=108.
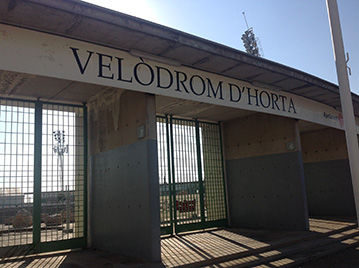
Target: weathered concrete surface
x=259, y=134
x=264, y=174
x=114, y=117
x=124, y=192
x=327, y=173
x=323, y=145
x=124, y=201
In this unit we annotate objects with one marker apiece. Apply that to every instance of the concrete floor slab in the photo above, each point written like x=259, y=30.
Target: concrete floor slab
x=209, y=248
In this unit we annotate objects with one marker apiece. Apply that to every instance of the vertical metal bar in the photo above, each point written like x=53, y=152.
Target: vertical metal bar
x=163, y=191
x=181, y=151
x=223, y=173
x=193, y=171
x=12, y=166
x=37, y=176
x=219, y=193
x=216, y=180
x=191, y=132
x=170, y=179
x=208, y=167
x=191, y=144
x=85, y=173
x=3, y=165
x=199, y=165
x=162, y=165
x=173, y=175
x=188, y=132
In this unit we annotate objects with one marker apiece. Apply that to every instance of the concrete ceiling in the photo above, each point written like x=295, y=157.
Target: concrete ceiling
x=47, y=89
x=21, y=85
x=210, y=112
x=200, y=110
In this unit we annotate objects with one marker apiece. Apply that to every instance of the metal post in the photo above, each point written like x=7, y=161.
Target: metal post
x=173, y=175
x=200, y=178
x=86, y=215
x=345, y=97
x=37, y=176
x=170, y=179
x=226, y=197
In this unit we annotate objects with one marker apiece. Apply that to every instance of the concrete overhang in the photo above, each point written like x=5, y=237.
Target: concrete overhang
x=82, y=21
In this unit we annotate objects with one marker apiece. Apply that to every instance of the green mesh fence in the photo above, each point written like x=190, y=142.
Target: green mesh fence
x=42, y=177
x=192, y=193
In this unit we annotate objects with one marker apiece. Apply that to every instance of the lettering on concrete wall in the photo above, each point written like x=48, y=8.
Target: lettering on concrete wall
x=162, y=78
x=37, y=53
x=338, y=118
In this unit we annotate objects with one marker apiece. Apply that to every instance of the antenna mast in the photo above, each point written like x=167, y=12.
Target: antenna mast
x=245, y=19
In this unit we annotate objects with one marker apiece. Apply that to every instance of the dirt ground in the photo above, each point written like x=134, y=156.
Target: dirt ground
x=348, y=258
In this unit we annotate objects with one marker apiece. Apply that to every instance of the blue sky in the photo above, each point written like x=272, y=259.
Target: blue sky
x=295, y=33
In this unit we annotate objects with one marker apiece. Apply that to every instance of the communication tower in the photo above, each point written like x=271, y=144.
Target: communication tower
x=251, y=43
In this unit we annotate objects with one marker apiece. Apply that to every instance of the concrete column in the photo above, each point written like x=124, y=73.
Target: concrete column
x=265, y=173
x=124, y=191
x=327, y=173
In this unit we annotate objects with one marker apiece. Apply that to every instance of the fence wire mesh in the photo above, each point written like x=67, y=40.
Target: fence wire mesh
x=190, y=173
x=62, y=197
x=17, y=126
x=62, y=183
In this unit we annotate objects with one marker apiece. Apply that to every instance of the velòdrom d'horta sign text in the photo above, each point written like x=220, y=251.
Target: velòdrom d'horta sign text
x=38, y=53
x=145, y=75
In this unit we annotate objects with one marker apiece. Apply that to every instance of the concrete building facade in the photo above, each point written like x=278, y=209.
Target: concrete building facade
x=284, y=152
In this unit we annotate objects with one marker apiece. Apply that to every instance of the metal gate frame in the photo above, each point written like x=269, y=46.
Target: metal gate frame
x=37, y=246
x=172, y=224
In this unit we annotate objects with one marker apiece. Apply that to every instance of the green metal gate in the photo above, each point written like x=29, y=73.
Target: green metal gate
x=192, y=189
x=42, y=177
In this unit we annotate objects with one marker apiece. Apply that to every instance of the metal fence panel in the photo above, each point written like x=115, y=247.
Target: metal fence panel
x=193, y=196
x=213, y=172
x=62, y=183
x=185, y=172
x=42, y=177
x=164, y=173
x=17, y=126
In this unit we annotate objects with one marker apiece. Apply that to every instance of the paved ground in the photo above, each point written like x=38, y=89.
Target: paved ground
x=90, y=259
x=210, y=248
x=78, y=259
x=346, y=259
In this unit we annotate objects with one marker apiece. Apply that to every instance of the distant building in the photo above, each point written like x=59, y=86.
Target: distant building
x=56, y=197
x=11, y=197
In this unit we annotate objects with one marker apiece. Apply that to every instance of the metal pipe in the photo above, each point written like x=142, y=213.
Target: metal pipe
x=345, y=98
